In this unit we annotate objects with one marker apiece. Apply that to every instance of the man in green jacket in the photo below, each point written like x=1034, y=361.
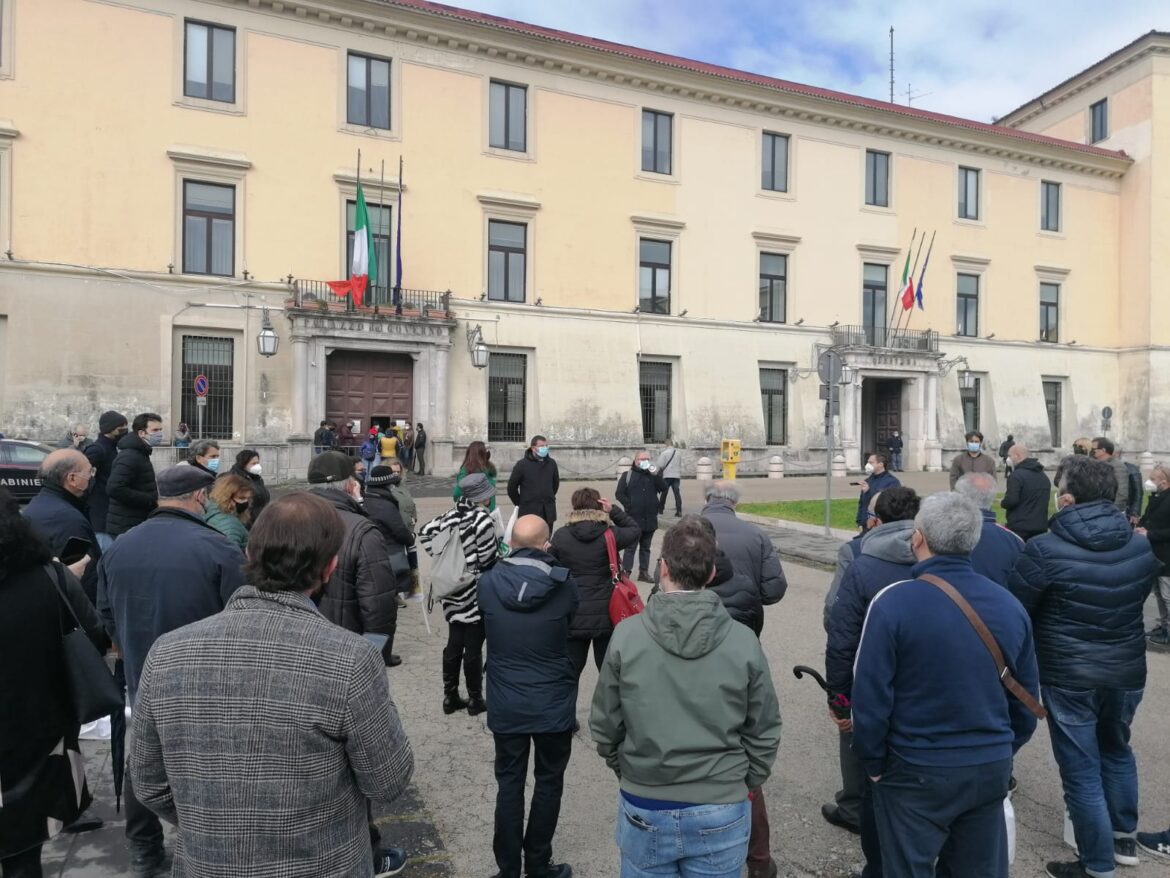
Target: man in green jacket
x=686, y=716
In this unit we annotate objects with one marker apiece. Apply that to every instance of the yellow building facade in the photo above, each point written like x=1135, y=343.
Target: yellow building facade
x=640, y=247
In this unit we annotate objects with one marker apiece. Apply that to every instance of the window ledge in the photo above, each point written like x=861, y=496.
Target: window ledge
x=775, y=195
x=1055, y=236
x=878, y=209
x=235, y=108
x=374, y=133
x=651, y=177
x=970, y=223
x=510, y=154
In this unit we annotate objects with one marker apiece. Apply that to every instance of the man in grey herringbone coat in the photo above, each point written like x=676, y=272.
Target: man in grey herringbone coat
x=264, y=732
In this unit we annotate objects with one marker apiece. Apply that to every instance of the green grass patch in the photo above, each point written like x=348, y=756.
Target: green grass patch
x=842, y=514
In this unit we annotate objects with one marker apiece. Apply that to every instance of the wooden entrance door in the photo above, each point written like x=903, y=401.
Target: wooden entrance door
x=362, y=385
x=889, y=411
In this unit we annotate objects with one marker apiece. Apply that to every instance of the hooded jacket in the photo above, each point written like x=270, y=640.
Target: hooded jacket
x=1084, y=584
x=738, y=594
x=132, y=488
x=527, y=602
x=750, y=551
x=101, y=456
x=580, y=546
x=637, y=491
x=885, y=557
x=684, y=709
x=533, y=485
x=382, y=508
x=997, y=550
x=876, y=483
x=1026, y=499
x=1156, y=521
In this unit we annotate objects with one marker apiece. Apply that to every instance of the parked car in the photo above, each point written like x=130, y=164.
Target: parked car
x=19, y=463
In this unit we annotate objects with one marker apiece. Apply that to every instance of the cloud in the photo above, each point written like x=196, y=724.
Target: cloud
x=972, y=58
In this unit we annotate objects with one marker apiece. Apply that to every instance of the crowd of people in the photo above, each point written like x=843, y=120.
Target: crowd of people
x=252, y=637
x=396, y=440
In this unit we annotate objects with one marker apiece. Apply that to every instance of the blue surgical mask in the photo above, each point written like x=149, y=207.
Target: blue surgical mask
x=542, y=451
x=974, y=447
x=154, y=440
x=213, y=464
x=643, y=464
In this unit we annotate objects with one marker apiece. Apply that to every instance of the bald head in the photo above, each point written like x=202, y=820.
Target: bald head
x=529, y=532
x=1018, y=453
x=68, y=469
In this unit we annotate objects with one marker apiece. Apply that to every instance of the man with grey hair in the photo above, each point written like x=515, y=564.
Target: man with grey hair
x=995, y=554
x=750, y=551
x=59, y=512
x=938, y=747
x=204, y=454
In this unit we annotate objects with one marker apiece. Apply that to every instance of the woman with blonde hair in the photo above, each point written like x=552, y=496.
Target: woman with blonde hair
x=228, y=508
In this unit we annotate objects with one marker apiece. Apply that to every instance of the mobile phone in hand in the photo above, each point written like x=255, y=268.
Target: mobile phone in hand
x=75, y=549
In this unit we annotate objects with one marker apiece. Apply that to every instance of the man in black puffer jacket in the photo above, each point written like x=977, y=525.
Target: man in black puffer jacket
x=638, y=491
x=382, y=509
x=1084, y=584
x=132, y=487
x=1155, y=526
x=580, y=546
x=1026, y=500
x=534, y=482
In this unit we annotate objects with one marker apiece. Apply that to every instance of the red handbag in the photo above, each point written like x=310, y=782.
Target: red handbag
x=625, y=600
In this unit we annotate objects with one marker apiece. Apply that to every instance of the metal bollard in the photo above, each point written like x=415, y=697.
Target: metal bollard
x=703, y=469
x=839, y=471
x=776, y=467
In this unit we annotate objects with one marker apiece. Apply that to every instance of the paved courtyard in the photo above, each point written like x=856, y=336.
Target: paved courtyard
x=446, y=820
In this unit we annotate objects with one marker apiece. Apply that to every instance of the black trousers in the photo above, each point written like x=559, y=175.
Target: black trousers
x=26, y=864
x=420, y=455
x=579, y=652
x=143, y=828
x=511, y=839
x=464, y=647
x=671, y=485
x=852, y=781
x=643, y=546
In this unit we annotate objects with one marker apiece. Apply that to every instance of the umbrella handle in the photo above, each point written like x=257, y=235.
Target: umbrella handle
x=800, y=670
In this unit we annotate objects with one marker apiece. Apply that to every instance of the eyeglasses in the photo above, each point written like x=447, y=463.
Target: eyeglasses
x=86, y=474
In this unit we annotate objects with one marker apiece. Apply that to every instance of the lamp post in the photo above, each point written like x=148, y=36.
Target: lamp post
x=267, y=341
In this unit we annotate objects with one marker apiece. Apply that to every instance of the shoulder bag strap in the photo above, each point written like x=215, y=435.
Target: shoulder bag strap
x=55, y=574
x=1005, y=676
x=611, y=550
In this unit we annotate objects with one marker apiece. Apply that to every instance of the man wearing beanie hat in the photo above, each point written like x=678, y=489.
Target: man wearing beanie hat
x=362, y=594
x=169, y=571
x=111, y=427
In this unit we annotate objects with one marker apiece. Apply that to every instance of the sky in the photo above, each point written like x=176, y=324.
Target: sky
x=968, y=58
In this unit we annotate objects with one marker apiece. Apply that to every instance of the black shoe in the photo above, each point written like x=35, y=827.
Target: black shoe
x=644, y=576
x=389, y=861
x=678, y=513
x=555, y=870
x=85, y=822
x=393, y=661
x=453, y=704
x=832, y=814
x=1159, y=641
x=1066, y=870
x=1125, y=851
x=149, y=861
x=767, y=870
x=576, y=726
x=475, y=705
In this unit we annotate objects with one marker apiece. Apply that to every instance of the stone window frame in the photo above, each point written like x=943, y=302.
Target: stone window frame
x=238, y=107
x=209, y=166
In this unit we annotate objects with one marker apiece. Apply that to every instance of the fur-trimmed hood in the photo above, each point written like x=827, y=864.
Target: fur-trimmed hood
x=598, y=515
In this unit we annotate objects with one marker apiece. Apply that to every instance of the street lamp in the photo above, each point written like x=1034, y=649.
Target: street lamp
x=476, y=347
x=966, y=380
x=846, y=375
x=267, y=341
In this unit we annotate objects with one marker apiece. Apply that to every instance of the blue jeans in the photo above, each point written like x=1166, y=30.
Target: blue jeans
x=1090, y=739
x=896, y=460
x=707, y=840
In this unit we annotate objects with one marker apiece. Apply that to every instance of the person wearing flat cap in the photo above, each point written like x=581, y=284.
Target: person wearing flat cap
x=169, y=571
x=362, y=593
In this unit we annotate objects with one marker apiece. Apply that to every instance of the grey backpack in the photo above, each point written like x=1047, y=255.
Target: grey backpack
x=449, y=572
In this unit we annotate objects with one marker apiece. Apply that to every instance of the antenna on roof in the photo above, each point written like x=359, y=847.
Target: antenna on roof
x=891, y=63
x=912, y=96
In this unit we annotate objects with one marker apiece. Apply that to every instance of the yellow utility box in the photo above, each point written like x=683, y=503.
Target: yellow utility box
x=729, y=455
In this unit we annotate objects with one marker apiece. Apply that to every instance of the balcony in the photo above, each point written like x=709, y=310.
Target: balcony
x=316, y=295
x=919, y=341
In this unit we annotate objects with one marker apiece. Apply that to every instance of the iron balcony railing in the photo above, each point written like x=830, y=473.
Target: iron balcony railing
x=425, y=303
x=918, y=340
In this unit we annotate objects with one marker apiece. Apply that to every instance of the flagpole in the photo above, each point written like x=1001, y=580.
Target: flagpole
x=899, y=328
x=922, y=277
x=398, y=247
x=894, y=309
x=381, y=208
x=348, y=269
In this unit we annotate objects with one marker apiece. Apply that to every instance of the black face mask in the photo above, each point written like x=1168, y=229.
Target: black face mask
x=241, y=508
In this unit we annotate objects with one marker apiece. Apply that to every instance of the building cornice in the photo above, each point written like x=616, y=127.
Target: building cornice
x=451, y=29
x=194, y=155
x=507, y=201
x=8, y=130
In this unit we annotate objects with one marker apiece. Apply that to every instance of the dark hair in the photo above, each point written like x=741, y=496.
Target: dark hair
x=881, y=456
x=709, y=528
x=478, y=460
x=897, y=504
x=21, y=547
x=586, y=498
x=292, y=543
x=140, y=421
x=1105, y=444
x=973, y=434
x=245, y=457
x=689, y=552
x=1088, y=480
x=323, y=423
x=535, y=439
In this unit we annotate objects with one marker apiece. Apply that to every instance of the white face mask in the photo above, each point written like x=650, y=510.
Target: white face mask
x=255, y=469
x=1151, y=485
x=869, y=468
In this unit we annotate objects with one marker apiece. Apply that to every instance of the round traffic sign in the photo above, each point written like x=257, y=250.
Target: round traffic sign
x=202, y=385
x=829, y=367
x=1107, y=412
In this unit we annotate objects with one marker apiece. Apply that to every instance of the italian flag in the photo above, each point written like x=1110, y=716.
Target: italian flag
x=907, y=283
x=363, y=271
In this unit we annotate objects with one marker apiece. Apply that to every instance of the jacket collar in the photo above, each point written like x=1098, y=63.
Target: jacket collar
x=133, y=442
x=944, y=566
x=293, y=600
x=598, y=515
x=59, y=492
x=173, y=513
x=720, y=506
x=339, y=500
x=988, y=516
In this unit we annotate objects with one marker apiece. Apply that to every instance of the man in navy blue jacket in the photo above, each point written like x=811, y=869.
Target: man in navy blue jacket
x=527, y=603
x=932, y=724
x=998, y=548
x=876, y=479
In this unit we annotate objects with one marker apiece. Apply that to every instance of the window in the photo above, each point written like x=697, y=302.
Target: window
x=970, y=400
x=877, y=178
x=508, y=116
x=209, y=228
x=873, y=303
x=380, y=227
x=654, y=276
x=209, y=62
x=1049, y=312
x=215, y=358
x=507, y=392
x=654, y=390
x=967, y=299
x=1099, y=121
x=968, y=193
x=656, y=146
x=774, y=394
x=1049, y=206
x=1052, y=402
x=367, y=95
x=773, y=287
x=507, y=245
x=775, y=175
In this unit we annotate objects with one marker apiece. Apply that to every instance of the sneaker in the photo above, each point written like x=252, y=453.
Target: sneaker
x=1156, y=843
x=1125, y=851
x=1159, y=642
x=401, y=602
x=1158, y=626
x=1066, y=870
x=389, y=861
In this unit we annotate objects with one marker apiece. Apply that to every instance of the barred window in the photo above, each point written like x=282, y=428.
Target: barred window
x=507, y=394
x=774, y=394
x=215, y=358
x=654, y=390
x=970, y=399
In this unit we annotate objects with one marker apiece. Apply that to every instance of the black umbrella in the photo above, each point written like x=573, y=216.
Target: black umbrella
x=838, y=701
x=118, y=737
